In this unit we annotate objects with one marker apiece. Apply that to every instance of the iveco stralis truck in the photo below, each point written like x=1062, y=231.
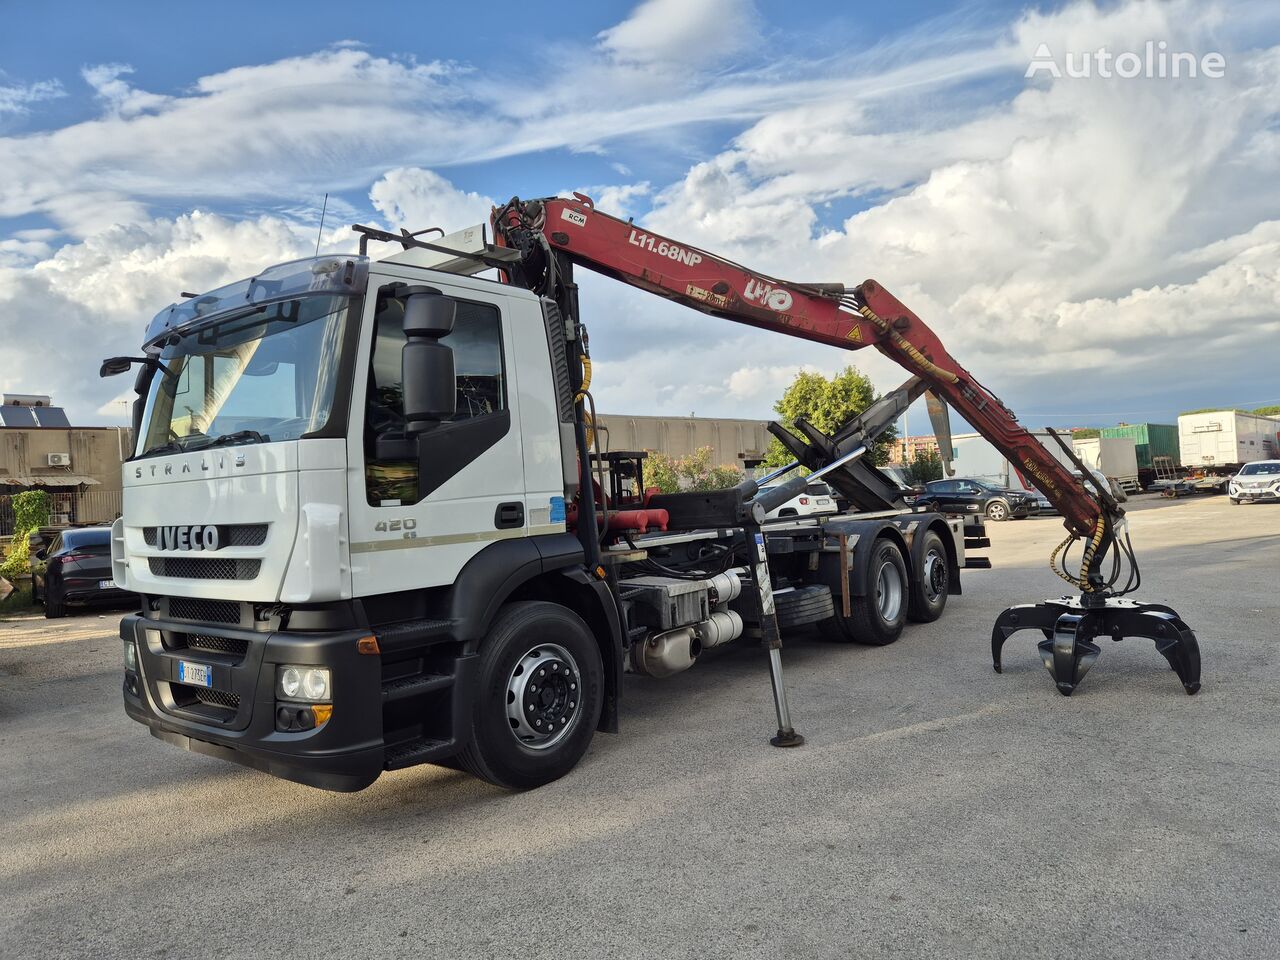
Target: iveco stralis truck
x=354, y=516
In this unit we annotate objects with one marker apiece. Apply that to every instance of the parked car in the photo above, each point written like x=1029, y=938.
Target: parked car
x=976, y=496
x=75, y=568
x=817, y=498
x=1259, y=480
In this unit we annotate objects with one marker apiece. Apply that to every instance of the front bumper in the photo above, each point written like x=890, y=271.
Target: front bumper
x=236, y=718
x=1252, y=495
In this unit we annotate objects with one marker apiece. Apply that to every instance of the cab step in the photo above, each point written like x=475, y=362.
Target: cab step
x=394, y=637
x=405, y=687
x=421, y=750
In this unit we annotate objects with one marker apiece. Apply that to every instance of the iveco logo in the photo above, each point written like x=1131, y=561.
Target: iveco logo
x=188, y=538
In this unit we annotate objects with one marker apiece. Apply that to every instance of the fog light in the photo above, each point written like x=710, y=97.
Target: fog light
x=310, y=684
x=130, y=656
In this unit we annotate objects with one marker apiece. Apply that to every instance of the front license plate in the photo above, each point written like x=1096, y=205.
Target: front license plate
x=106, y=584
x=195, y=674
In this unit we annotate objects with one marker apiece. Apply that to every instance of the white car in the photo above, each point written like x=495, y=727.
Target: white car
x=1259, y=480
x=816, y=499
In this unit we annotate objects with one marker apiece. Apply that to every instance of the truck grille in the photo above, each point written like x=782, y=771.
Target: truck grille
x=235, y=647
x=206, y=611
x=229, y=535
x=204, y=568
x=219, y=702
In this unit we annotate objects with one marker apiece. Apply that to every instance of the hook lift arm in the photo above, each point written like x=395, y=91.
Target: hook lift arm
x=553, y=233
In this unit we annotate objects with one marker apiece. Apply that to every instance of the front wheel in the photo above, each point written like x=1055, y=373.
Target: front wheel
x=540, y=688
x=1234, y=502
x=997, y=510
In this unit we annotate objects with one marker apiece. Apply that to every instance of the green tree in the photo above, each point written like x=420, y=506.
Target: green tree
x=696, y=472
x=926, y=466
x=1272, y=411
x=30, y=513
x=828, y=404
x=1086, y=433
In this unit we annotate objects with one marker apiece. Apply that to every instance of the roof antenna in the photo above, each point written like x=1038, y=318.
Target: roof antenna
x=320, y=232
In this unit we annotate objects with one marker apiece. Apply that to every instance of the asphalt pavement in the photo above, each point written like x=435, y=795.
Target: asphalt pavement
x=937, y=810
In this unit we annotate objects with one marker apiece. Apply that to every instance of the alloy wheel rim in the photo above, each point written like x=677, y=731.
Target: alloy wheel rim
x=544, y=696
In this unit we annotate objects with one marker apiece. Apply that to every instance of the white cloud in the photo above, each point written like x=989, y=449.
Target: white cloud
x=93, y=299
x=1069, y=240
x=415, y=199
x=687, y=32
x=16, y=98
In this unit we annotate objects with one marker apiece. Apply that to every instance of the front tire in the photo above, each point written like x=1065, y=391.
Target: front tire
x=998, y=511
x=540, y=687
x=1234, y=502
x=876, y=619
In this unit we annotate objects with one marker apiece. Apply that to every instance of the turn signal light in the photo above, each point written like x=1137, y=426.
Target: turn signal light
x=368, y=645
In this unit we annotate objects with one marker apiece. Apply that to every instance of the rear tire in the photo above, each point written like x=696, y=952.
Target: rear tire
x=527, y=642
x=931, y=581
x=55, y=607
x=876, y=619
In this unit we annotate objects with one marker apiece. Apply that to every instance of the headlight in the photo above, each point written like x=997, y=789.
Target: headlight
x=130, y=656
x=311, y=684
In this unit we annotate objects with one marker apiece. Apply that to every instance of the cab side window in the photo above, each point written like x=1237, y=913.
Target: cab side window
x=480, y=381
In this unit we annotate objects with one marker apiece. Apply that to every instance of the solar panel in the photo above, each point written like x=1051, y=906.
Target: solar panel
x=14, y=416
x=51, y=416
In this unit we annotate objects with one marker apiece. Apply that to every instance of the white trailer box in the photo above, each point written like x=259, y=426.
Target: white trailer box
x=1116, y=458
x=1225, y=439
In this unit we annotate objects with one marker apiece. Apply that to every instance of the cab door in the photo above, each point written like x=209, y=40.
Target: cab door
x=418, y=515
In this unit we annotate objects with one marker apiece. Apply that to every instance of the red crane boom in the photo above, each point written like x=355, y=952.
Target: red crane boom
x=548, y=229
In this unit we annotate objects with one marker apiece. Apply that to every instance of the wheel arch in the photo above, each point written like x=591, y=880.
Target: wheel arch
x=546, y=568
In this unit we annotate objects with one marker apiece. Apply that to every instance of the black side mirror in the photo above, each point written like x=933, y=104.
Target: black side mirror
x=40, y=554
x=426, y=366
x=114, y=366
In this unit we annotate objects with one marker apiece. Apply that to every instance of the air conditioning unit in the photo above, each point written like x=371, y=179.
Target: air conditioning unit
x=59, y=459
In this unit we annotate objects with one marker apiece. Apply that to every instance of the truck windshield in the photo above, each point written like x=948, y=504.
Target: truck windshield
x=256, y=377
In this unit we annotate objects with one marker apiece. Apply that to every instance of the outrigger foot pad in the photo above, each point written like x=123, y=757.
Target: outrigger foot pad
x=1071, y=624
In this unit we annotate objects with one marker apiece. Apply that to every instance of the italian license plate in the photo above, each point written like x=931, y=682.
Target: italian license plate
x=106, y=584
x=195, y=674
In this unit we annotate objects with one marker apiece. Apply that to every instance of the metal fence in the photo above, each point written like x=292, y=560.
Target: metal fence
x=67, y=508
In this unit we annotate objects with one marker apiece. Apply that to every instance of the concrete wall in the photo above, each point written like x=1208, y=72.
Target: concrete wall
x=95, y=452
x=731, y=441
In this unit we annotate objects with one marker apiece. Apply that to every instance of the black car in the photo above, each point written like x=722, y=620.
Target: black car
x=75, y=568
x=976, y=496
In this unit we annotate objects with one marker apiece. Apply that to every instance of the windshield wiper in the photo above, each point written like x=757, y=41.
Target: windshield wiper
x=239, y=436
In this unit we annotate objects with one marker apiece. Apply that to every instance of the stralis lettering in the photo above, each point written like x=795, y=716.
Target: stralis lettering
x=191, y=537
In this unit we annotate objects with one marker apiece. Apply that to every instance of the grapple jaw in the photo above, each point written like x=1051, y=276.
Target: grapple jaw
x=1071, y=625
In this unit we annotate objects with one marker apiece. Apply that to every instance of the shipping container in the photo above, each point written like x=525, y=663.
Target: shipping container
x=1225, y=439
x=1150, y=440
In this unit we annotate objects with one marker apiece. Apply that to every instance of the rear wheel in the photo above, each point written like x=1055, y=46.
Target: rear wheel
x=932, y=580
x=55, y=606
x=997, y=510
x=876, y=619
x=539, y=695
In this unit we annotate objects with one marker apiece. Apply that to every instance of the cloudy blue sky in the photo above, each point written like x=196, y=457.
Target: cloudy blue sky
x=1094, y=249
